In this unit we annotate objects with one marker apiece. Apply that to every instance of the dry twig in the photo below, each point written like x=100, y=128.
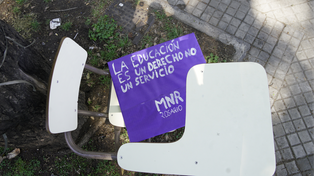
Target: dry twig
x=63, y=10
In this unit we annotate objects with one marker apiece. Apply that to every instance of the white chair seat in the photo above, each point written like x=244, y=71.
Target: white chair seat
x=228, y=127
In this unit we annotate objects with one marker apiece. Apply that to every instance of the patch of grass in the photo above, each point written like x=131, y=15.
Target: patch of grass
x=107, y=168
x=96, y=58
x=16, y=10
x=47, y=22
x=111, y=54
x=63, y=165
x=20, y=1
x=212, y=58
x=66, y=26
x=2, y=149
x=105, y=80
x=147, y=41
x=46, y=1
x=103, y=29
x=88, y=21
x=137, y=2
x=103, y=54
x=89, y=146
x=173, y=32
x=106, y=33
x=99, y=8
x=70, y=163
x=123, y=42
x=160, y=15
x=5, y=164
x=19, y=167
x=22, y=24
x=96, y=107
x=162, y=40
x=94, y=61
x=89, y=52
x=35, y=25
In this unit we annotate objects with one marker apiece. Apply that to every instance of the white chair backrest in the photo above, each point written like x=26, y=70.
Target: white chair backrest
x=64, y=87
x=228, y=127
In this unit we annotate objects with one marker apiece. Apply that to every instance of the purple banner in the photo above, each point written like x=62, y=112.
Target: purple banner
x=150, y=86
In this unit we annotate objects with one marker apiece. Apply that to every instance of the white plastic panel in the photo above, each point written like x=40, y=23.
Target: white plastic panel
x=228, y=127
x=64, y=87
x=115, y=114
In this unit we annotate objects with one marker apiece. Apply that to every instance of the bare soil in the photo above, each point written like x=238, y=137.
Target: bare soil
x=47, y=42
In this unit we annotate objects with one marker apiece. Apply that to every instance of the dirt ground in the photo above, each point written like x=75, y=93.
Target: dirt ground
x=81, y=14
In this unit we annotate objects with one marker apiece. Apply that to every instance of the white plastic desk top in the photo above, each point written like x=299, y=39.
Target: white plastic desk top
x=228, y=127
x=64, y=87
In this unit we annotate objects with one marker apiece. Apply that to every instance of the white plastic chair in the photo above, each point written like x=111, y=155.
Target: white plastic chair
x=228, y=122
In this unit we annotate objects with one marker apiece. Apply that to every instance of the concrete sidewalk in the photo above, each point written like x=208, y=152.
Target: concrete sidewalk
x=279, y=35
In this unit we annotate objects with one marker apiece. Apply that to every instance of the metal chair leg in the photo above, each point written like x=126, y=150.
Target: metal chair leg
x=91, y=113
x=96, y=70
x=87, y=154
x=117, y=131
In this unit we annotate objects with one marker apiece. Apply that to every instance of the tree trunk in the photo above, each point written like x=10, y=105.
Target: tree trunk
x=22, y=110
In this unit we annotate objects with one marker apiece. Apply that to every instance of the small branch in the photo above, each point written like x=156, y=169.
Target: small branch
x=16, y=82
x=38, y=84
x=6, y=47
x=4, y=55
x=63, y=10
x=13, y=40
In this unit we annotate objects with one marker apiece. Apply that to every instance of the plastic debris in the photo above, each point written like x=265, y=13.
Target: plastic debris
x=94, y=47
x=55, y=23
x=11, y=155
x=121, y=5
x=14, y=153
x=75, y=35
